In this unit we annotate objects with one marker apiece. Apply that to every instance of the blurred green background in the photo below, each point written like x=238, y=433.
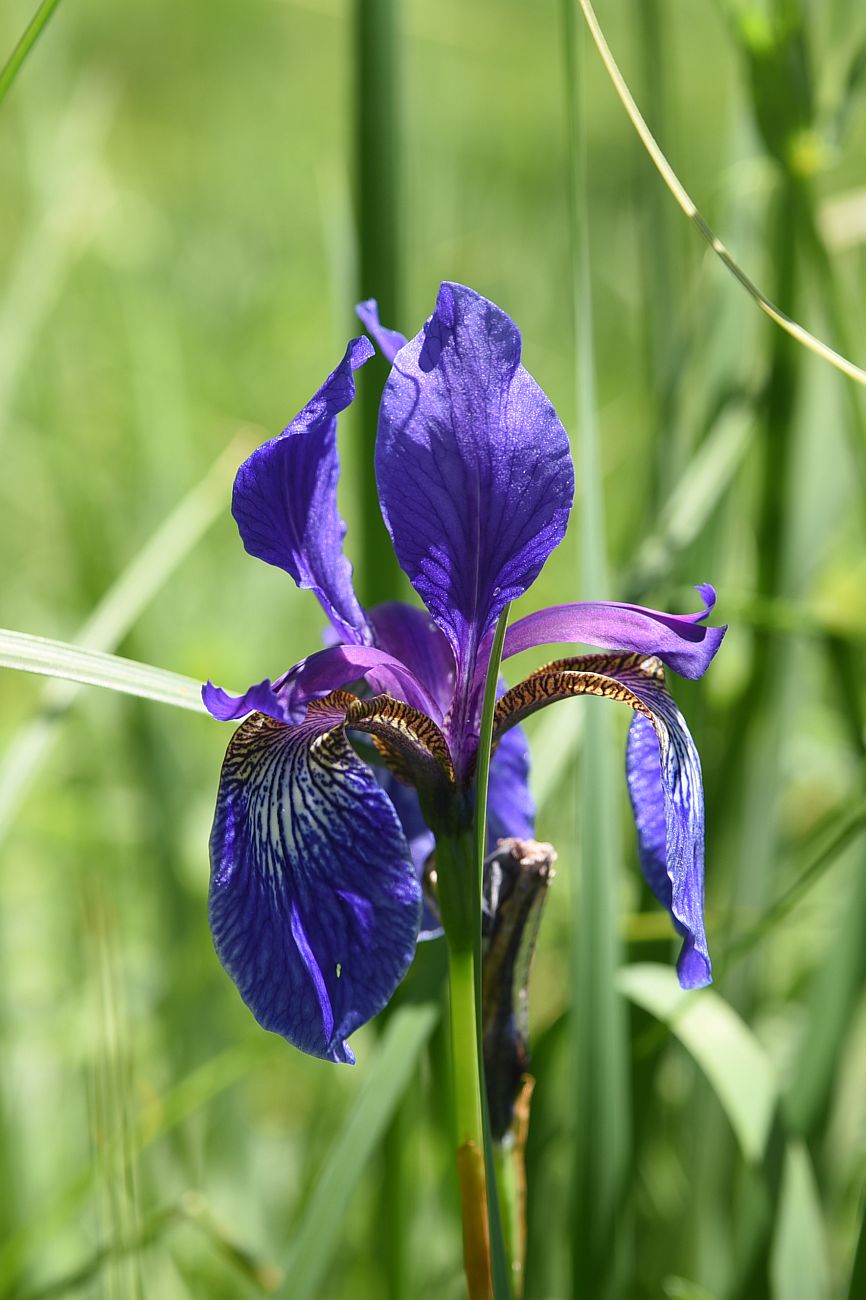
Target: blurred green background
x=178, y=265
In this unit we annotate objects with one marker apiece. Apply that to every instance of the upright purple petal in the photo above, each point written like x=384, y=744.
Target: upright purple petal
x=314, y=903
x=389, y=342
x=285, y=500
x=473, y=465
x=667, y=797
x=679, y=640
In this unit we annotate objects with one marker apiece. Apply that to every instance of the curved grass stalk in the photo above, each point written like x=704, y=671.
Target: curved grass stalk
x=37, y=654
x=32, y=32
x=688, y=206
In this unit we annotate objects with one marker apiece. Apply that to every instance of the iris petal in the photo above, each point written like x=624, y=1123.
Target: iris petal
x=510, y=806
x=285, y=500
x=339, y=665
x=510, y=812
x=667, y=798
x=679, y=640
x=314, y=902
x=473, y=465
x=409, y=634
x=665, y=783
x=261, y=698
x=389, y=342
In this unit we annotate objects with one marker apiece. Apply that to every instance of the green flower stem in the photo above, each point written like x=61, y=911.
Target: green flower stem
x=460, y=877
x=501, y=1257
x=455, y=871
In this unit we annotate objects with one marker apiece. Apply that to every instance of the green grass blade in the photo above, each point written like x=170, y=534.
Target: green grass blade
x=703, y=484
x=378, y=204
x=835, y=995
x=686, y=203
x=598, y=1032
x=798, y=1259
x=722, y=1044
x=846, y=827
x=32, y=32
x=58, y=234
x=114, y=616
x=36, y=654
x=316, y=1240
x=857, y=1282
x=186, y=1098
x=377, y=166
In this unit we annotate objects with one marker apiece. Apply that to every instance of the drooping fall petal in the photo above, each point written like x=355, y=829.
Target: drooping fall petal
x=314, y=901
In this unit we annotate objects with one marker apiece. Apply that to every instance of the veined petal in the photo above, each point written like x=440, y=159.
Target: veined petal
x=667, y=797
x=314, y=903
x=410, y=742
x=421, y=844
x=647, y=791
x=389, y=342
x=510, y=805
x=320, y=674
x=261, y=698
x=665, y=786
x=410, y=635
x=510, y=812
x=473, y=465
x=285, y=500
x=337, y=666
x=679, y=640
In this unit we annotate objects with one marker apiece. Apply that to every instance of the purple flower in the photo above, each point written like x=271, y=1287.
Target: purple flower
x=316, y=897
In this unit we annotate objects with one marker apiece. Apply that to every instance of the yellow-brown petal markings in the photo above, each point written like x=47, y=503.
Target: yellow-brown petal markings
x=411, y=743
x=599, y=674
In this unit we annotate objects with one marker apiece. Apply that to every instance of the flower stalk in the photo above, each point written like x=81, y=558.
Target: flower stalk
x=460, y=875
x=455, y=873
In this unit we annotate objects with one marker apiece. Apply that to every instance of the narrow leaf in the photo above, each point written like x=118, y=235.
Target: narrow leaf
x=600, y=1157
x=113, y=617
x=36, y=654
x=32, y=32
x=723, y=1046
x=317, y=1236
x=798, y=1260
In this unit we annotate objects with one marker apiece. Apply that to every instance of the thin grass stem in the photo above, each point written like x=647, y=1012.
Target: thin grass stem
x=30, y=36
x=688, y=206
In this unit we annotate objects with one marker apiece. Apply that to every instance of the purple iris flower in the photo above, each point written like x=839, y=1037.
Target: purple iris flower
x=316, y=897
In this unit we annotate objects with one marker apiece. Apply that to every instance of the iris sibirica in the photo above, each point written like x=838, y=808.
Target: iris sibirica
x=317, y=856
